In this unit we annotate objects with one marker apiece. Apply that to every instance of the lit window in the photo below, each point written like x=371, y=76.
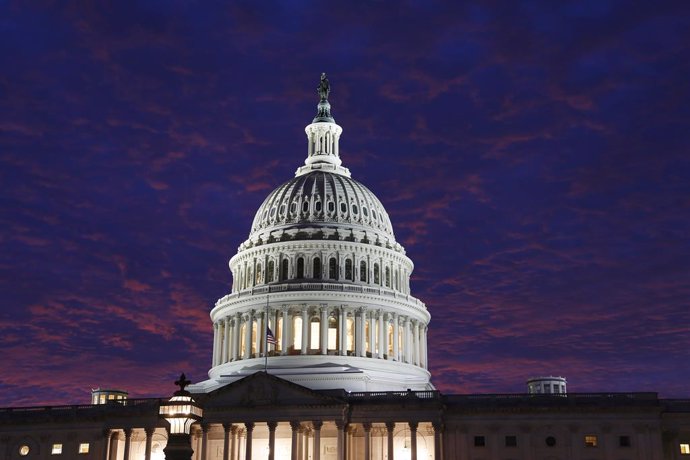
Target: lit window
x=24, y=450
x=57, y=449
x=479, y=441
x=685, y=449
x=84, y=448
x=591, y=440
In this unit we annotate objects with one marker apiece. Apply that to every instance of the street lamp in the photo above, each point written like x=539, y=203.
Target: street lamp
x=180, y=411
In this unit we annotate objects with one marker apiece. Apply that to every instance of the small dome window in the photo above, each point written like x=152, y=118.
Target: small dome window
x=331, y=206
x=354, y=209
x=305, y=207
x=293, y=208
x=282, y=209
x=365, y=212
x=273, y=212
x=343, y=208
x=373, y=213
x=317, y=205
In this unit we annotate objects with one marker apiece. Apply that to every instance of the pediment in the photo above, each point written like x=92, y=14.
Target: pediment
x=262, y=389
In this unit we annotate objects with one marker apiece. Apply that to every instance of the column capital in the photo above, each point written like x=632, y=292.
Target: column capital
x=413, y=425
x=128, y=432
x=390, y=426
x=340, y=424
x=149, y=430
x=366, y=426
x=249, y=426
x=317, y=424
x=438, y=426
x=233, y=429
x=272, y=426
x=229, y=427
x=204, y=427
x=295, y=425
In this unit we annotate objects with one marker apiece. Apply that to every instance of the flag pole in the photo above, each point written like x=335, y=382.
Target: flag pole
x=266, y=338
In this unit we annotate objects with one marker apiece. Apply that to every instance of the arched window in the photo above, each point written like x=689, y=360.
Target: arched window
x=377, y=275
x=317, y=268
x=332, y=268
x=305, y=207
x=317, y=206
x=300, y=267
x=348, y=270
x=271, y=269
x=363, y=271
x=315, y=334
x=284, y=270
x=332, y=333
x=297, y=333
x=343, y=207
x=397, y=279
x=259, y=273
x=331, y=206
x=388, y=277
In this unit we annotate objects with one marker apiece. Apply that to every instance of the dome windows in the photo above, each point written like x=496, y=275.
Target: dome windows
x=317, y=268
x=331, y=207
x=282, y=210
x=284, y=270
x=293, y=208
x=271, y=269
x=305, y=207
x=363, y=271
x=300, y=267
x=343, y=207
x=355, y=210
x=317, y=206
x=373, y=213
x=365, y=211
x=332, y=268
x=377, y=275
x=348, y=270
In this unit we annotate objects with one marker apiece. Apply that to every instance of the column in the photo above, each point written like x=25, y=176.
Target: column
x=359, y=332
x=438, y=433
x=341, y=440
x=114, y=438
x=390, y=428
x=413, y=440
x=285, y=332
x=248, y=449
x=406, y=341
x=396, y=341
x=106, y=441
x=305, y=329
x=149, y=440
x=272, y=439
x=233, y=442
x=342, y=331
x=238, y=330
x=415, y=341
x=324, y=329
x=367, y=440
x=317, y=439
x=425, y=352
x=260, y=332
x=248, y=336
x=383, y=346
x=372, y=334
x=226, y=340
x=204, y=441
x=295, y=431
x=128, y=443
x=227, y=427
x=214, y=360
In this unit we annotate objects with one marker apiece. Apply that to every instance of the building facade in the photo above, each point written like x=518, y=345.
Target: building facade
x=320, y=353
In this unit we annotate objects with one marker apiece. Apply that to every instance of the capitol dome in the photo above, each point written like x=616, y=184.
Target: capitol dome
x=320, y=293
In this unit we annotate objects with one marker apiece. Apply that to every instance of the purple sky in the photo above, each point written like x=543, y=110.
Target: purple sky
x=533, y=157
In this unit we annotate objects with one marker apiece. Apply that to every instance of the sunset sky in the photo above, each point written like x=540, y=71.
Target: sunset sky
x=534, y=158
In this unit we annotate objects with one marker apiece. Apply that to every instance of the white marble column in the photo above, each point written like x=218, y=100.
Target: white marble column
x=305, y=329
x=390, y=429
x=149, y=440
x=324, y=329
x=396, y=341
x=214, y=361
x=317, y=440
x=272, y=440
x=112, y=448
x=407, y=349
x=248, y=449
x=342, y=331
x=359, y=332
x=372, y=333
x=285, y=333
x=367, y=440
x=237, y=338
x=260, y=333
x=295, y=426
x=383, y=343
x=226, y=340
x=128, y=443
x=413, y=440
x=247, y=336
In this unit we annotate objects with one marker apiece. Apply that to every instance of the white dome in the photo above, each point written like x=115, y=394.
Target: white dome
x=320, y=198
x=322, y=272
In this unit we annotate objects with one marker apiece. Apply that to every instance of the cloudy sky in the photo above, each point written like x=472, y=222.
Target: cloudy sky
x=533, y=157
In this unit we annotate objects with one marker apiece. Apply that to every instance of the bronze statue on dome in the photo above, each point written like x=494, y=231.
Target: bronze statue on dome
x=324, y=87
